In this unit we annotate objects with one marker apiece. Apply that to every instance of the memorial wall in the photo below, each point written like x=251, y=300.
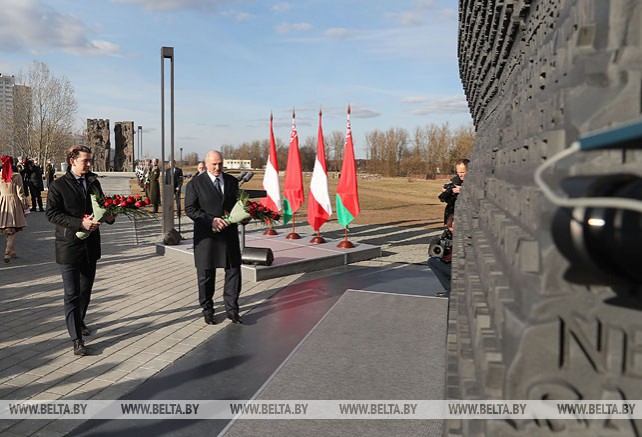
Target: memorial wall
x=537, y=76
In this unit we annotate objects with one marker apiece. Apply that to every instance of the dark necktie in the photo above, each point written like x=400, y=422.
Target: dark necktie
x=81, y=182
x=217, y=185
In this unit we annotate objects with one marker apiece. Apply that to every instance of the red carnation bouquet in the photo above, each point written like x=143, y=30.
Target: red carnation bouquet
x=246, y=209
x=129, y=206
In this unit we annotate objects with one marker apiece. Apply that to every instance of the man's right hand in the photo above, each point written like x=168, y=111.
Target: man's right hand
x=88, y=224
x=219, y=224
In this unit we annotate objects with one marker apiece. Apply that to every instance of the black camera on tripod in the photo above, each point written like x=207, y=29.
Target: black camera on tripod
x=441, y=245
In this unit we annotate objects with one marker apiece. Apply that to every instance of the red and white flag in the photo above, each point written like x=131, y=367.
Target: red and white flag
x=319, y=205
x=271, y=177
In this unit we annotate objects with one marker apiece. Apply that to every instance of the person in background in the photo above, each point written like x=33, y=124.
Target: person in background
x=177, y=176
x=154, y=185
x=451, y=190
x=22, y=169
x=36, y=185
x=200, y=167
x=442, y=265
x=50, y=173
x=147, y=170
x=13, y=204
x=69, y=208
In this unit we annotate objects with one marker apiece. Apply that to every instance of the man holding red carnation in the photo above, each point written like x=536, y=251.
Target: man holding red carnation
x=216, y=242
x=69, y=207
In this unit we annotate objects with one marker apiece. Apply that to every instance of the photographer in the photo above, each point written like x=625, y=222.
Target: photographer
x=441, y=254
x=450, y=191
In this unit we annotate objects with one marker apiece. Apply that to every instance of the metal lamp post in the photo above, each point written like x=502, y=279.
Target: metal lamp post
x=168, y=185
x=140, y=143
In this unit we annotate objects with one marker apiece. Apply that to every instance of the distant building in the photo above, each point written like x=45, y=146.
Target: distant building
x=6, y=93
x=237, y=164
x=6, y=112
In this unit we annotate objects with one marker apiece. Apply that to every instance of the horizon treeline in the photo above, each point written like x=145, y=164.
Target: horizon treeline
x=426, y=151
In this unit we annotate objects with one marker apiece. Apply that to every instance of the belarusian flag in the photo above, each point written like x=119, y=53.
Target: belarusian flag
x=319, y=205
x=293, y=196
x=347, y=191
x=271, y=177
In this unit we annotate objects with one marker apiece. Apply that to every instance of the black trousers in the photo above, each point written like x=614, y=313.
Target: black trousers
x=36, y=197
x=77, y=280
x=231, y=289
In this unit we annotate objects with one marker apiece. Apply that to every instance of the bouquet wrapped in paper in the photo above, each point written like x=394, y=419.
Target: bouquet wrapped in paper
x=245, y=209
x=129, y=206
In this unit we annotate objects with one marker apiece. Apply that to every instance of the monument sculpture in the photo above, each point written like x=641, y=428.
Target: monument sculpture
x=538, y=75
x=98, y=141
x=124, y=138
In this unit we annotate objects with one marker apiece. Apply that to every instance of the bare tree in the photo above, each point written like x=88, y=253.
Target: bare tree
x=463, y=140
x=45, y=110
x=308, y=153
x=335, y=145
x=191, y=158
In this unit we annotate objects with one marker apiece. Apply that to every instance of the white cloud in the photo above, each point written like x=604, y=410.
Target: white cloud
x=441, y=105
x=448, y=14
x=425, y=4
x=242, y=16
x=30, y=25
x=414, y=99
x=407, y=18
x=281, y=7
x=284, y=28
x=336, y=32
x=175, y=5
x=94, y=48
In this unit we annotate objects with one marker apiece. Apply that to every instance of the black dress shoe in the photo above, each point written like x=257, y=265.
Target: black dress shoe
x=235, y=318
x=79, y=348
x=84, y=329
x=209, y=318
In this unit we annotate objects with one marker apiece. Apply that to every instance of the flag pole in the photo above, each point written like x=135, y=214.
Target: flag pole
x=270, y=230
x=318, y=239
x=293, y=235
x=345, y=244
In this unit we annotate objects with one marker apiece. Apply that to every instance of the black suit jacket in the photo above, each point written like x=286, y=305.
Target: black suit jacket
x=178, y=178
x=202, y=204
x=67, y=203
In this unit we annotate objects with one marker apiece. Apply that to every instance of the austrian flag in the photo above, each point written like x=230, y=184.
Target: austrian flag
x=271, y=177
x=319, y=205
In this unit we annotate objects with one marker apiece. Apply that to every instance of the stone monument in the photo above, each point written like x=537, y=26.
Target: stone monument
x=124, y=138
x=98, y=141
x=538, y=75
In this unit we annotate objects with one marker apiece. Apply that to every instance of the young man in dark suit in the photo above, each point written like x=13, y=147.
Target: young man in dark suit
x=177, y=174
x=69, y=208
x=216, y=243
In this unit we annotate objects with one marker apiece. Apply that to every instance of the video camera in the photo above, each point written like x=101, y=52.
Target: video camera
x=450, y=186
x=441, y=245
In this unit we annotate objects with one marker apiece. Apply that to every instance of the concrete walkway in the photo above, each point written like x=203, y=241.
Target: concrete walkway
x=144, y=314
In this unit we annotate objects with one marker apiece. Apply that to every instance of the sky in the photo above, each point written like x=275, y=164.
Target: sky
x=235, y=62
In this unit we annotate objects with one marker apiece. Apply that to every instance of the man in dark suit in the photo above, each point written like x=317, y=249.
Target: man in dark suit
x=69, y=208
x=178, y=183
x=216, y=243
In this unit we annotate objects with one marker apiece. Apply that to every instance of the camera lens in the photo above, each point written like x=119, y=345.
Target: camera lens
x=603, y=239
